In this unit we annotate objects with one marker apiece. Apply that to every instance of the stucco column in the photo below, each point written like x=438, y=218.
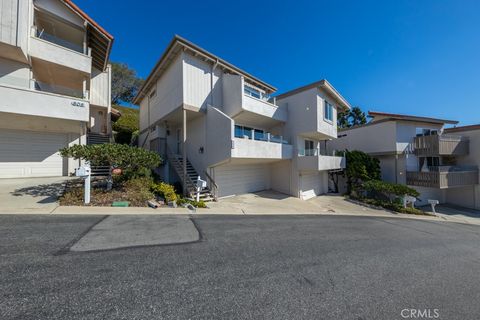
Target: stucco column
x=184, y=151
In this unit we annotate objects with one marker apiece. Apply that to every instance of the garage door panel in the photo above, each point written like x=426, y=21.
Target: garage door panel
x=30, y=154
x=312, y=184
x=240, y=179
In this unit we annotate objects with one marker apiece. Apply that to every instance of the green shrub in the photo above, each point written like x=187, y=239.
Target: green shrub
x=165, y=190
x=199, y=204
x=138, y=190
x=360, y=167
x=389, y=189
x=126, y=125
x=135, y=162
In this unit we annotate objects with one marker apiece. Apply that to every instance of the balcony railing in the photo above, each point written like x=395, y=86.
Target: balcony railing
x=58, y=89
x=41, y=34
x=260, y=136
x=320, y=152
x=443, y=177
x=440, y=145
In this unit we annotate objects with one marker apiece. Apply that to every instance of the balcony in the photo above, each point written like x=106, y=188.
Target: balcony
x=266, y=146
x=435, y=145
x=263, y=108
x=59, y=51
x=227, y=141
x=313, y=160
x=246, y=103
x=61, y=90
x=444, y=177
x=43, y=104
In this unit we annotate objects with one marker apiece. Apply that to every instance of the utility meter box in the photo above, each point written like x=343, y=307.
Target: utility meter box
x=83, y=171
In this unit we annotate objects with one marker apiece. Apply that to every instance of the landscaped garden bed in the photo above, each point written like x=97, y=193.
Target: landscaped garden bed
x=131, y=181
x=364, y=185
x=135, y=191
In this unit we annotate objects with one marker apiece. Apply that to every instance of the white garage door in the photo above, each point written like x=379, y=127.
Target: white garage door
x=241, y=179
x=30, y=154
x=312, y=184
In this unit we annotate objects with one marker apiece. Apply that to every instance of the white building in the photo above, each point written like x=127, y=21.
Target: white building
x=199, y=107
x=54, y=85
x=421, y=153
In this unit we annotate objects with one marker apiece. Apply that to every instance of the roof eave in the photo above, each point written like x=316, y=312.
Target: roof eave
x=177, y=40
x=372, y=114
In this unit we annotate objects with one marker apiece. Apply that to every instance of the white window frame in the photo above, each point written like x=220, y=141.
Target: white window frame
x=328, y=109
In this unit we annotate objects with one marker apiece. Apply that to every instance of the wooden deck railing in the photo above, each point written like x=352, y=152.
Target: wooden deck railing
x=443, y=179
x=440, y=145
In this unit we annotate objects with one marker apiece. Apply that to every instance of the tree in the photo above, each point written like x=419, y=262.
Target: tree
x=342, y=119
x=125, y=83
x=357, y=117
x=353, y=117
x=361, y=167
x=126, y=125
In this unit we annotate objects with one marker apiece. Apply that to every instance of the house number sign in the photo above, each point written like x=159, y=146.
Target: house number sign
x=78, y=104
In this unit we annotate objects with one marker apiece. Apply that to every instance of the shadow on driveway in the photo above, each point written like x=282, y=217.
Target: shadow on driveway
x=49, y=192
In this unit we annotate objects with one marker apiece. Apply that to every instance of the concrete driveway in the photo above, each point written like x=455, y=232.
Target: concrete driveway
x=456, y=213
x=278, y=203
x=30, y=194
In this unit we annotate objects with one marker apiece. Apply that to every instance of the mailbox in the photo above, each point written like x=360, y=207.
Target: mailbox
x=83, y=171
x=201, y=183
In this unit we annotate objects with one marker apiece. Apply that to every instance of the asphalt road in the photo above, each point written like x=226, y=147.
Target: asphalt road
x=244, y=267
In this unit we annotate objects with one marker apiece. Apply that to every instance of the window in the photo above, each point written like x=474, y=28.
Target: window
x=252, y=92
x=309, y=148
x=328, y=112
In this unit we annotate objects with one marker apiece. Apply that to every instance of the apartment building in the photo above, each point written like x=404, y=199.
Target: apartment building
x=419, y=152
x=467, y=196
x=211, y=119
x=54, y=85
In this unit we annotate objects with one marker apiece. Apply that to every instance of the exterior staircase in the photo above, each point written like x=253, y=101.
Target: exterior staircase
x=95, y=138
x=207, y=194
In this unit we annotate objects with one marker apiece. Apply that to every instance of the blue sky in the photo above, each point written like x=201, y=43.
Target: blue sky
x=416, y=57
